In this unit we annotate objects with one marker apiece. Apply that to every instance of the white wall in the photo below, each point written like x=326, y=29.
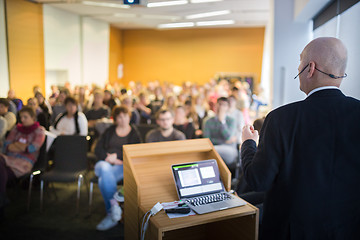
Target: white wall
x=4, y=70
x=268, y=54
x=328, y=29
x=290, y=38
x=349, y=33
x=76, y=47
x=95, y=51
x=62, y=46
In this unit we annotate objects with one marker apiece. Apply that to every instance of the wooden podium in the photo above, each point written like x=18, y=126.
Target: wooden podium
x=148, y=179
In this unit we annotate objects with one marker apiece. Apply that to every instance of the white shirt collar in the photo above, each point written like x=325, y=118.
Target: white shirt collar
x=322, y=88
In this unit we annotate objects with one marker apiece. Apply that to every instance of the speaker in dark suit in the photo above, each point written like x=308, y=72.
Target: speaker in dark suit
x=308, y=157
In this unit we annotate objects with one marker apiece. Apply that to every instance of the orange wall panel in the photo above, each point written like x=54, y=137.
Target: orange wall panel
x=115, y=53
x=25, y=46
x=194, y=55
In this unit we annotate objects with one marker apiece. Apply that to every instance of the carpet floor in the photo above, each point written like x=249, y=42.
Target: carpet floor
x=58, y=220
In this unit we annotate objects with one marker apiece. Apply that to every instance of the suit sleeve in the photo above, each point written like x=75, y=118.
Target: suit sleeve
x=261, y=165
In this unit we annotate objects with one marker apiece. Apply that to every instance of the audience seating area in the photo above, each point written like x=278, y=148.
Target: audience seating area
x=71, y=158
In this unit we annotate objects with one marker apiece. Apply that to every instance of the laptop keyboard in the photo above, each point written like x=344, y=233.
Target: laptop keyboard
x=197, y=201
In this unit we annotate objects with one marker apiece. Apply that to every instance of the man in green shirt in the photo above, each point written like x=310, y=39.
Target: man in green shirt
x=221, y=130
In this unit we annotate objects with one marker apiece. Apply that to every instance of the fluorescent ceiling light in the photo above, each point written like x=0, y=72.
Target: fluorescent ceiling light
x=205, y=1
x=167, y=3
x=125, y=15
x=161, y=17
x=176, y=25
x=212, y=23
x=100, y=4
x=208, y=14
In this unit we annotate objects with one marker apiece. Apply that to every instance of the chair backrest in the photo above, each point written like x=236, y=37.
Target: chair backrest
x=144, y=129
x=102, y=125
x=70, y=153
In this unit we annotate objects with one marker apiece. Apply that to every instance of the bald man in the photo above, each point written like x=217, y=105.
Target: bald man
x=308, y=157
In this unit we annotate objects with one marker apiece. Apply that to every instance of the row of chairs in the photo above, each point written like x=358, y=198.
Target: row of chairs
x=71, y=164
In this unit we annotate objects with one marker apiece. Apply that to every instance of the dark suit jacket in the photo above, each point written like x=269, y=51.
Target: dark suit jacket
x=308, y=161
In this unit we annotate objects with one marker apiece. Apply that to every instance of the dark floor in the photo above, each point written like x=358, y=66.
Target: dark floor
x=58, y=219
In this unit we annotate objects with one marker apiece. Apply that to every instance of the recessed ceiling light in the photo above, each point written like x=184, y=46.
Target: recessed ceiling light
x=205, y=1
x=161, y=17
x=176, y=25
x=167, y=3
x=208, y=14
x=213, y=23
x=100, y=4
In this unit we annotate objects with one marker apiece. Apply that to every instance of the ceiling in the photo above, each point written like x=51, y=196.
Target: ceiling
x=238, y=13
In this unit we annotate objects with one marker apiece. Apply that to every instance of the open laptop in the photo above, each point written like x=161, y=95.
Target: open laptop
x=199, y=185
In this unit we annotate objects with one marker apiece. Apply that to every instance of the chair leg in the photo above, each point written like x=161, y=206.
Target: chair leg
x=91, y=196
x=29, y=192
x=80, y=179
x=41, y=194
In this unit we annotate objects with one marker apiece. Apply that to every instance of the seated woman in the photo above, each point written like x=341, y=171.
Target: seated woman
x=182, y=124
x=70, y=122
x=42, y=117
x=20, y=149
x=110, y=167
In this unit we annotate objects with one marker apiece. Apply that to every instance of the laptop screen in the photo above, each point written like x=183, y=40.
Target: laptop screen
x=197, y=178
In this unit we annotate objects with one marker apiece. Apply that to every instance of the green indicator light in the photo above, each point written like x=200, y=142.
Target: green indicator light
x=190, y=165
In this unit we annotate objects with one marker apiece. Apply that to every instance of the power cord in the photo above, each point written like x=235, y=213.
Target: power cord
x=145, y=222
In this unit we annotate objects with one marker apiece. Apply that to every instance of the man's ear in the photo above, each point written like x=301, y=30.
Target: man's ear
x=311, y=69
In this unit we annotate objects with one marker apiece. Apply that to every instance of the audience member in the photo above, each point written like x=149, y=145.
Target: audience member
x=244, y=101
x=109, y=168
x=54, y=92
x=170, y=102
x=36, y=88
x=237, y=115
x=166, y=131
x=157, y=102
x=12, y=108
x=182, y=124
x=20, y=150
x=9, y=116
x=42, y=117
x=191, y=114
x=98, y=110
x=109, y=99
x=307, y=159
x=44, y=104
x=221, y=130
x=70, y=122
x=135, y=115
x=123, y=91
x=182, y=97
x=17, y=101
x=59, y=106
x=82, y=99
x=201, y=108
x=143, y=108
